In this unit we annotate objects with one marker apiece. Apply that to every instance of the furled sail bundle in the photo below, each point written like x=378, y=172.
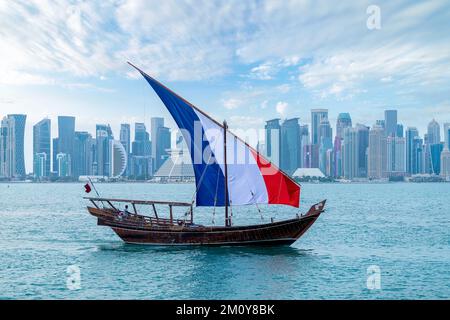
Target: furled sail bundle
x=244, y=177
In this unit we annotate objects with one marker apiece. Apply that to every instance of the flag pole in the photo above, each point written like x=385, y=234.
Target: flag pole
x=95, y=189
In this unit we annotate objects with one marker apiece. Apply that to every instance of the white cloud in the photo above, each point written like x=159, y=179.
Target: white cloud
x=281, y=108
x=231, y=103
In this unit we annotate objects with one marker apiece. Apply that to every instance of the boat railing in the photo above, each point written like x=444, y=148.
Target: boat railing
x=135, y=217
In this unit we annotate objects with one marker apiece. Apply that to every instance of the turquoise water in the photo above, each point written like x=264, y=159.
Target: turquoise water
x=403, y=229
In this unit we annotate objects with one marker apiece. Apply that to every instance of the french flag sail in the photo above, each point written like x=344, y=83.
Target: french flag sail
x=251, y=178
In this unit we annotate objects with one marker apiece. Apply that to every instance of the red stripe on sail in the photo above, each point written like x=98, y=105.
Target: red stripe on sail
x=280, y=188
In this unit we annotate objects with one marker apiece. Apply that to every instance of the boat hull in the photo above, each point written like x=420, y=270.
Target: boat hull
x=277, y=233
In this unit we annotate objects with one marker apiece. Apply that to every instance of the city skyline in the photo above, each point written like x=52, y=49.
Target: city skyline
x=348, y=151
x=228, y=59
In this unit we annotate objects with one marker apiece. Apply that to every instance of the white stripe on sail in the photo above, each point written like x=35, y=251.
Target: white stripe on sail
x=245, y=182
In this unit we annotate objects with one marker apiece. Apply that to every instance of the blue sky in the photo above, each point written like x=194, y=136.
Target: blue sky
x=244, y=61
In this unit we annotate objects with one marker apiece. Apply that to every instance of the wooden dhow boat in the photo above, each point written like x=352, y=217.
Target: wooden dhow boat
x=228, y=172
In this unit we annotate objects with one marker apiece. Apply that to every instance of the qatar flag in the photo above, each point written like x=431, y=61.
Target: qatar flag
x=87, y=188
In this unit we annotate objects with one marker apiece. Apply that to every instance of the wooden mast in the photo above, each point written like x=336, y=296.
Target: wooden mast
x=227, y=221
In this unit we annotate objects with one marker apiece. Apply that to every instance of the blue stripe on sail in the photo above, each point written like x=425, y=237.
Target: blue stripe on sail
x=185, y=117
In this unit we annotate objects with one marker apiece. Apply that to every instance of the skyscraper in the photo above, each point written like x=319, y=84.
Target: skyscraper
x=155, y=123
x=41, y=146
x=317, y=115
x=377, y=153
x=162, y=146
x=445, y=154
x=304, y=140
x=83, y=156
x=418, y=157
x=396, y=155
x=362, y=132
x=63, y=165
x=447, y=135
x=433, y=137
x=141, y=161
x=434, y=132
x=290, y=145
x=66, y=136
x=411, y=161
x=273, y=140
x=103, y=156
x=125, y=140
x=399, y=130
x=326, y=143
x=13, y=132
x=390, y=122
x=3, y=146
x=55, y=148
x=435, y=157
x=343, y=121
x=349, y=153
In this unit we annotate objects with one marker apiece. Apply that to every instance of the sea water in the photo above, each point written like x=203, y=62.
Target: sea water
x=375, y=241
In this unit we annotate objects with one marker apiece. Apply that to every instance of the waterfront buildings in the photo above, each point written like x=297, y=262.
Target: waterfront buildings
x=273, y=140
x=290, y=145
x=12, y=134
x=66, y=136
x=41, y=148
x=377, y=159
x=390, y=122
x=83, y=154
x=411, y=161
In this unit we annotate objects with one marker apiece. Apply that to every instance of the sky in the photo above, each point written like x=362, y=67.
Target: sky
x=244, y=61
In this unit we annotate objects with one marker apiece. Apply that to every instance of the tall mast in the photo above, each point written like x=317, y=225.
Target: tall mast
x=227, y=221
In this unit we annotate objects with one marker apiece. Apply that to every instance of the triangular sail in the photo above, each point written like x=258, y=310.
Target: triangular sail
x=251, y=178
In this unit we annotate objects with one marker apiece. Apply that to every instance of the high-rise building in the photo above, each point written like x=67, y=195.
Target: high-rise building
x=155, y=123
x=83, y=156
x=55, y=143
x=162, y=146
x=141, y=162
x=445, y=154
x=447, y=135
x=13, y=134
x=63, y=165
x=119, y=159
x=343, y=121
x=290, y=145
x=417, y=156
x=377, y=153
x=304, y=140
x=103, y=156
x=125, y=140
x=362, y=145
x=326, y=143
x=399, y=130
x=434, y=132
x=141, y=145
x=435, y=157
x=390, y=122
x=40, y=161
x=411, y=161
x=350, y=153
x=66, y=136
x=317, y=115
x=396, y=155
x=3, y=146
x=273, y=140
x=41, y=146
